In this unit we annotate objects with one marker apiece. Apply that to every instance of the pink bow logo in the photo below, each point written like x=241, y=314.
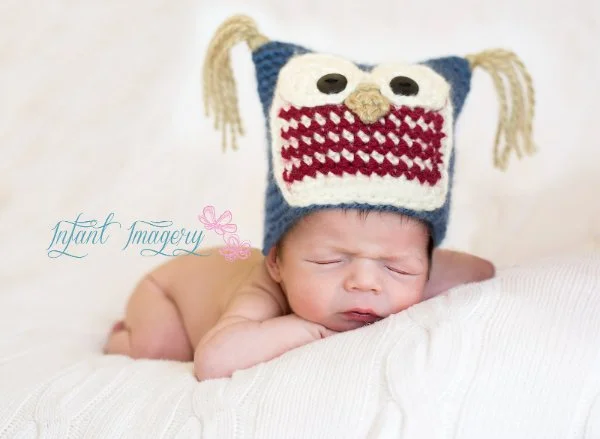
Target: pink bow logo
x=221, y=226
x=234, y=249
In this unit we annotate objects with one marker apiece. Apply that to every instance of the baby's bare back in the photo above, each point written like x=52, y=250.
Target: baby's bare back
x=202, y=286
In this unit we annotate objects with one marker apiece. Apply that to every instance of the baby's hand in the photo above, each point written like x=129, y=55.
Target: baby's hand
x=317, y=330
x=239, y=342
x=328, y=332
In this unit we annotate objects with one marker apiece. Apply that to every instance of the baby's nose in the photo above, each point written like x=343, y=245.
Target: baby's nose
x=363, y=278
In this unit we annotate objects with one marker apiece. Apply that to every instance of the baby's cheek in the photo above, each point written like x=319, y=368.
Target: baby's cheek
x=299, y=291
x=407, y=299
x=307, y=307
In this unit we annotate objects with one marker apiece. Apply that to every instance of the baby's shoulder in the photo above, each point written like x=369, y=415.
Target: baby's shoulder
x=261, y=285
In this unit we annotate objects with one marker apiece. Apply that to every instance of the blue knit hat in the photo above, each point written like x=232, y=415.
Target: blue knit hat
x=349, y=135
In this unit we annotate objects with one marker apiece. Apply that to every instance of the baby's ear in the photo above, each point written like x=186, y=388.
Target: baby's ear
x=451, y=268
x=273, y=263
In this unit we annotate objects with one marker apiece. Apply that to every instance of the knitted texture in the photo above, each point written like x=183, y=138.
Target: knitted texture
x=515, y=357
x=372, y=150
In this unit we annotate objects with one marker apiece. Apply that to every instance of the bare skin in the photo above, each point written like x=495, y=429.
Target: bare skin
x=173, y=306
x=227, y=316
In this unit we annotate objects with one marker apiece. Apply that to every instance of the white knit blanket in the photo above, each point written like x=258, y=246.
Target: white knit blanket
x=514, y=357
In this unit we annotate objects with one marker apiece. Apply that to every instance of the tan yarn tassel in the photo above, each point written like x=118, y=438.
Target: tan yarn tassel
x=515, y=124
x=220, y=93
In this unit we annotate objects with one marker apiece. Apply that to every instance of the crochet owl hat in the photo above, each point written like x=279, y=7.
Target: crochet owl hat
x=348, y=135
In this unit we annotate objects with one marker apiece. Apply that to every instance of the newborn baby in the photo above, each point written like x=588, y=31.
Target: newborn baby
x=335, y=270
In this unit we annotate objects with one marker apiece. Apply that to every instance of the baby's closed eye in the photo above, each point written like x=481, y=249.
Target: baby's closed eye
x=405, y=272
x=327, y=262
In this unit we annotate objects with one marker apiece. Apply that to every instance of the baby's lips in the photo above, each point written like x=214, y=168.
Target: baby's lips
x=362, y=317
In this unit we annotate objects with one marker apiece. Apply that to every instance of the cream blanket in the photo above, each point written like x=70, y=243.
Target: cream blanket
x=514, y=357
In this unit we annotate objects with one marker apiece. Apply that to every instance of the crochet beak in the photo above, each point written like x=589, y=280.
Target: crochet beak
x=368, y=103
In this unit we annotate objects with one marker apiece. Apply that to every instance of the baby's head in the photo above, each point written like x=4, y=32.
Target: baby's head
x=342, y=133
x=345, y=268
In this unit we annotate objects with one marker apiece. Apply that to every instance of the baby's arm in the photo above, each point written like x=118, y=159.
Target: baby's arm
x=452, y=268
x=253, y=329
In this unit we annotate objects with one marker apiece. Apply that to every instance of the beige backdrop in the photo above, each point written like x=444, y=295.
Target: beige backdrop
x=100, y=111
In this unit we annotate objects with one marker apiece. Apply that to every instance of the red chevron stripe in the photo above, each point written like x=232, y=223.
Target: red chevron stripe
x=426, y=143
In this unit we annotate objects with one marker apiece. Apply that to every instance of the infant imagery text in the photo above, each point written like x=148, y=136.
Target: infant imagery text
x=151, y=238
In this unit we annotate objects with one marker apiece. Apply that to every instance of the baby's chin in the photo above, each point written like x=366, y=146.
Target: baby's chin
x=348, y=326
x=342, y=323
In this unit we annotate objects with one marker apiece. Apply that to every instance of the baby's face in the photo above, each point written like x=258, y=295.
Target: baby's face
x=344, y=271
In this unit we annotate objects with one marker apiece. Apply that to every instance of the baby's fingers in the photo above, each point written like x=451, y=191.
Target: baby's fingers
x=326, y=332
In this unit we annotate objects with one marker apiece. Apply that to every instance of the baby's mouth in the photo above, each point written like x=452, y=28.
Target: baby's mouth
x=364, y=316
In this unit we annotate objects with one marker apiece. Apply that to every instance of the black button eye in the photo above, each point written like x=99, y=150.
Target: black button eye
x=403, y=85
x=332, y=83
